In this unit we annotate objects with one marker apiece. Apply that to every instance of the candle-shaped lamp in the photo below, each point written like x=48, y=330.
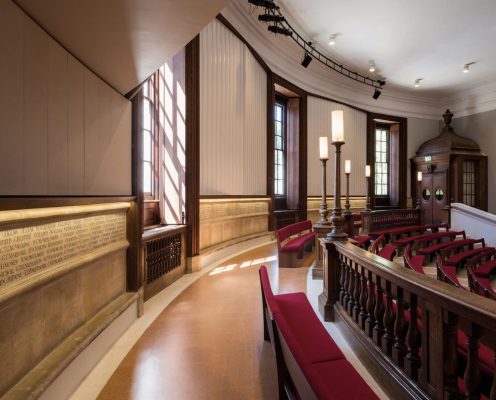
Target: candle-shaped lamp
x=367, y=171
x=367, y=176
x=419, y=176
x=419, y=180
x=337, y=126
x=347, y=171
x=323, y=148
x=347, y=166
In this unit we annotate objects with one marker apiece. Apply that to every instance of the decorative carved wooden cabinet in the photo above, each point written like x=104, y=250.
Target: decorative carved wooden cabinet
x=453, y=170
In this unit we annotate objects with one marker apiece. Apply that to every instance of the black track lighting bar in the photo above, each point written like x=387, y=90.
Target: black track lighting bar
x=283, y=27
x=270, y=18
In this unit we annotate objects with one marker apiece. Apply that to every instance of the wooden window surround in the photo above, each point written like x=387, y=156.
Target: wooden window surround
x=396, y=155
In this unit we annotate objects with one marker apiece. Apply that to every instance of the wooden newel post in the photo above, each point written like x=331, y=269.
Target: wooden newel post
x=332, y=268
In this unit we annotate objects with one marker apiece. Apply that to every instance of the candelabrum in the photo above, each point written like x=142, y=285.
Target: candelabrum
x=324, y=212
x=347, y=203
x=367, y=204
x=337, y=219
x=418, y=196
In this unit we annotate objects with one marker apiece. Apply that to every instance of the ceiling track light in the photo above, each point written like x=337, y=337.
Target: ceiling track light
x=282, y=26
x=371, y=66
x=268, y=4
x=279, y=30
x=270, y=18
x=417, y=82
x=376, y=94
x=307, y=59
x=332, y=40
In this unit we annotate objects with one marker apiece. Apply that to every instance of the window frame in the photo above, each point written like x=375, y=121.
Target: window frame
x=386, y=128
x=282, y=103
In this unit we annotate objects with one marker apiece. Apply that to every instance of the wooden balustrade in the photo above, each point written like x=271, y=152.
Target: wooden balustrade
x=164, y=257
x=405, y=326
x=385, y=219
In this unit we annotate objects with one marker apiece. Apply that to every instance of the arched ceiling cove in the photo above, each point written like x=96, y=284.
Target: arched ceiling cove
x=424, y=39
x=123, y=41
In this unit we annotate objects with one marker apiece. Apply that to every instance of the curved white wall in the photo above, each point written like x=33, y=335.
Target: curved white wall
x=354, y=149
x=233, y=116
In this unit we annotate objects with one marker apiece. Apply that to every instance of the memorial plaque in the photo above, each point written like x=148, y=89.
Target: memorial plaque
x=30, y=249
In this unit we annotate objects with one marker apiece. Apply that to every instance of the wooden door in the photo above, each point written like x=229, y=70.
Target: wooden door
x=433, y=194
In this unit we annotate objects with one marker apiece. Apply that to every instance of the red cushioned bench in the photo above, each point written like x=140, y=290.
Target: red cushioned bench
x=291, y=242
x=414, y=262
x=379, y=247
x=429, y=238
x=309, y=363
x=409, y=231
x=447, y=273
x=462, y=254
x=480, y=285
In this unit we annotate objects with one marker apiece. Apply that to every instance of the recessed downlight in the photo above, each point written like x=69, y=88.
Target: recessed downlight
x=417, y=82
x=371, y=66
x=332, y=40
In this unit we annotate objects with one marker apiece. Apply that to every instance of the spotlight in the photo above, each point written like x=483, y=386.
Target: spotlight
x=332, y=40
x=382, y=83
x=306, y=60
x=417, y=82
x=371, y=66
x=264, y=3
x=376, y=94
x=270, y=18
x=280, y=30
x=466, y=68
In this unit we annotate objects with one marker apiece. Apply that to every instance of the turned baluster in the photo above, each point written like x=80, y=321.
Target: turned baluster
x=357, y=293
x=370, y=321
x=412, y=360
x=378, y=314
x=472, y=373
x=387, y=343
x=451, y=391
x=346, y=272
x=492, y=393
x=351, y=289
x=362, y=316
x=342, y=281
x=399, y=349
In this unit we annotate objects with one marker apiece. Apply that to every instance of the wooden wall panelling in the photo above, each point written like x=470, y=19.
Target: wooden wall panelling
x=57, y=119
x=35, y=88
x=75, y=127
x=11, y=101
x=192, y=89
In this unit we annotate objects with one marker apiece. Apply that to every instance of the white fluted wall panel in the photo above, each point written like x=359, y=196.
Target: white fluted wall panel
x=354, y=149
x=233, y=115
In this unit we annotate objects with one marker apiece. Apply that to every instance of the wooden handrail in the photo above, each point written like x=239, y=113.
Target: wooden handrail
x=381, y=299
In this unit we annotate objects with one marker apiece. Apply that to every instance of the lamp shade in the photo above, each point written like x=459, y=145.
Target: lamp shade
x=419, y=176
x=347, y=166
x=337, y=126
x=367, y=171
x=323, y=148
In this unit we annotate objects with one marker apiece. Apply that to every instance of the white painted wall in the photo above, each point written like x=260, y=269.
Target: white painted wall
x=354, y=149
x=63, y=130
x=233, y=116
x=476, y=223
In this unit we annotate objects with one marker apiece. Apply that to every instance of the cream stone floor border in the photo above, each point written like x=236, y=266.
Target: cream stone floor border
x=96, y=380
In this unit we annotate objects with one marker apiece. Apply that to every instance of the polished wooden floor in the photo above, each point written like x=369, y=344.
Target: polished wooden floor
x=208, y=343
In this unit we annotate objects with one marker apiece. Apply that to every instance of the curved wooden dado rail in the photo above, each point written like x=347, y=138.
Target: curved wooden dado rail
x=411, y=360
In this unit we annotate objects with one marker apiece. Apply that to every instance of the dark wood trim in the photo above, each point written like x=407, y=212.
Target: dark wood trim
x=234, y=196
x=402, y=148
x=24, y=202
x=302, y=179
x=279, y=80
x=233, y=30
x=135, y=273
x=271, y=99
x=192, y=90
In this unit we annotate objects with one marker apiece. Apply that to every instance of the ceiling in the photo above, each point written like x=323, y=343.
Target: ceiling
x=406, y=39
x=123, y=41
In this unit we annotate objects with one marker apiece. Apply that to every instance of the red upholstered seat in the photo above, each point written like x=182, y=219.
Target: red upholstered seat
x=486, y=355
x=450, y=272
x=440, y=246
x=458, y=258
x=484, y=270
x=338, y=380
x=388, y=252
x=363, y=241
x=306, y=328
x=267, y=290
x=297, y=243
